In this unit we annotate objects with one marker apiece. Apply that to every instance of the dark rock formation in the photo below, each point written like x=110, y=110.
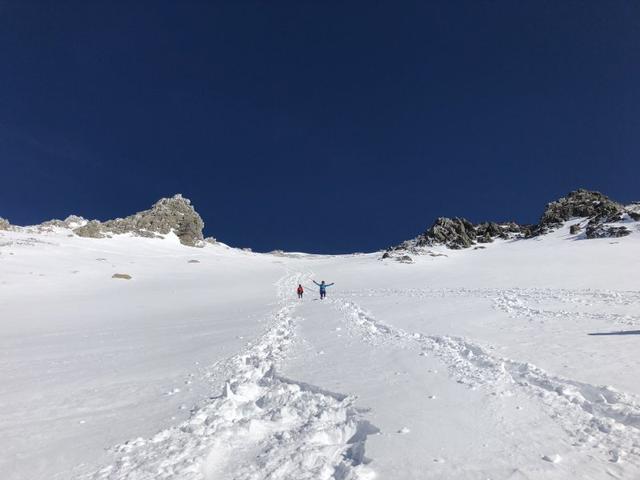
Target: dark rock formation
x=456, y=233
x=579, y=203
x=599, y=229
x=486, y=232
x=633, y=211
x=168, y=214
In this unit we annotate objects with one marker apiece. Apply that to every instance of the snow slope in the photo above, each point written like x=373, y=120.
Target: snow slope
x=516, y=361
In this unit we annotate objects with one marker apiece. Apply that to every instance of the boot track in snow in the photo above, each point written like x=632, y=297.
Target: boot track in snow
x=262, y=426
x=598, y=417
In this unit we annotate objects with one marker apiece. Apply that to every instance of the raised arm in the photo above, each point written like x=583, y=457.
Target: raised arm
x=329, y=284
x=315, y=282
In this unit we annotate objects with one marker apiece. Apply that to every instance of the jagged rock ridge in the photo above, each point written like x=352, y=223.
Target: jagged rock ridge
x=457, y=233
x=595, y=206
x=167, y=214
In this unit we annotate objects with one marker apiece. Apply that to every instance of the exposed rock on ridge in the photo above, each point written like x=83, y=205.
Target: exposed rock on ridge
x=634, y=210
x=457, y=233
x=598, y=209
x=167, y=214
x=582, y=203
x=72, y=221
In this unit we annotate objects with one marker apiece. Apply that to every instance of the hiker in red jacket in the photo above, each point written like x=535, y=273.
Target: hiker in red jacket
x=300, y=291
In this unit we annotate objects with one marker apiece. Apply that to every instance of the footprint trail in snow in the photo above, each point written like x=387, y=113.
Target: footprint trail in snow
x=263, y=426
x=597, y=417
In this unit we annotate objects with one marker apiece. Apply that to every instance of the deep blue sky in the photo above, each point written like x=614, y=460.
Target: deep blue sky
x=319, y=126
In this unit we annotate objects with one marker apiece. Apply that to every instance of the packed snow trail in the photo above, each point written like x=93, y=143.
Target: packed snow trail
x=263, y=426
x=596, y=417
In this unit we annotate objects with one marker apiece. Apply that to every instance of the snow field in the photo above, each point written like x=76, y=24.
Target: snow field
x=262, y=426
x=516, y=361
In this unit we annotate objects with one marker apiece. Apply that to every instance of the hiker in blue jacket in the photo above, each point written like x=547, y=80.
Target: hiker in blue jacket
x=323, y=288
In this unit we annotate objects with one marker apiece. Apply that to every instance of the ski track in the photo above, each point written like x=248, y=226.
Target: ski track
x=262, y=426
x=596, y=417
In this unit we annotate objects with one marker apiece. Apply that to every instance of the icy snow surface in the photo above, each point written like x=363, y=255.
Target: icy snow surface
x=518, y=361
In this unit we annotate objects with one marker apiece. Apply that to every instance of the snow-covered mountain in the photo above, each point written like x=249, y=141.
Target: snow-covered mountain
x=131, y=356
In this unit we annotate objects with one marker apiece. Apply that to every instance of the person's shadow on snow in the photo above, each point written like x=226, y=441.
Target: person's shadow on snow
x=622, y=332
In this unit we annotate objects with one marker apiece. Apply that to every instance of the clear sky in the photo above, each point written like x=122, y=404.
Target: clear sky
x=318, y=126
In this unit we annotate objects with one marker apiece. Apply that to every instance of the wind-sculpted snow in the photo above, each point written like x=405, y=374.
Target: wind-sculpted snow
x=598, y=418
x=262, y=426
x=528, y=303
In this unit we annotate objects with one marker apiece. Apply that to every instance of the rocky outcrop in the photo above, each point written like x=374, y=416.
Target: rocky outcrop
x=633, y=210
x=601, y=230
x=454, y=233
x=4, y=224
x=579, y=203
x=92, y=229
x=488, y=231
x=599, y=210
x=166, y=215
x=457, y=233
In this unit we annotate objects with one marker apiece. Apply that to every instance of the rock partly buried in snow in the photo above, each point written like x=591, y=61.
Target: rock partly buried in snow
x=555, y=458
x=92, y=229
x=597, y=229
x=123, y=276
x=457, y=233
x=4, y=224
x=72, y=221
x=579, y=203
x=633, y=210
x=168, y=214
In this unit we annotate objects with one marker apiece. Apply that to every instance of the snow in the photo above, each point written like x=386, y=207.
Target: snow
x=504, y=362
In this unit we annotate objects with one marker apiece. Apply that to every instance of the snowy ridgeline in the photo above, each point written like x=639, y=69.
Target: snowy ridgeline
x=134, y=357
x=594, y=215
x=167, y=215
